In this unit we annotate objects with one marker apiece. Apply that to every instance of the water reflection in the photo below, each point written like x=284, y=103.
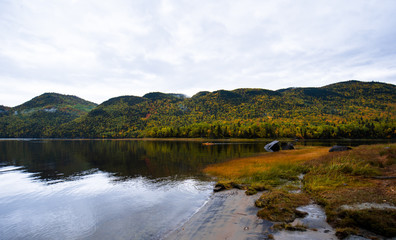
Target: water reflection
x=94, y=206
x=52, y=160
x=103, y=189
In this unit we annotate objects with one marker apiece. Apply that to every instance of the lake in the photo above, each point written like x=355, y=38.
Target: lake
x=96, y=189
x=107, y=189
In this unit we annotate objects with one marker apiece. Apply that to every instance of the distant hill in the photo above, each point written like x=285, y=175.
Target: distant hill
x=161, y=96
x=356, y=89
x=4, y=110
x=39, y=116
x=67, y=103
x=351, y=109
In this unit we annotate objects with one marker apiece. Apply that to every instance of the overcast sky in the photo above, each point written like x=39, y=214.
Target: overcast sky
x=99, y=49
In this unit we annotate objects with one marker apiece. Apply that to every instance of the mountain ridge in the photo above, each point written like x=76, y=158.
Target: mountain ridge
x=235, y=90
x=346, y=109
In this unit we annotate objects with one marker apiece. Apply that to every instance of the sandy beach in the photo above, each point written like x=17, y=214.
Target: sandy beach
x=227, y=215
x=231, y=215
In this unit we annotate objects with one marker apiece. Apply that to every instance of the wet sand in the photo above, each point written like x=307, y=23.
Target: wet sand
x=232, y=215
x=227, y=215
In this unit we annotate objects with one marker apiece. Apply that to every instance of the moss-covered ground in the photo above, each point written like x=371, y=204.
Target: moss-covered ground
x=366, y=174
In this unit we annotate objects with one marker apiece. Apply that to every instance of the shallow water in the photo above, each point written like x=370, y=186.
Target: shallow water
x=316, y=219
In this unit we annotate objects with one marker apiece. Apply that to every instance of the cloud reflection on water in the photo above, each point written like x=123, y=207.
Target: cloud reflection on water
x=95, y=206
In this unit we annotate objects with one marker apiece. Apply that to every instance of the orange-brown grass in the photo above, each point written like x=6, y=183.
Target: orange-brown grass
x=347, y=177
x=250, y=166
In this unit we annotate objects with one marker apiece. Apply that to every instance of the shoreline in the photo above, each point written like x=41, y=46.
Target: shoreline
x=232, y=140
x=228, y=214
x=231, y=215
x=340, y=182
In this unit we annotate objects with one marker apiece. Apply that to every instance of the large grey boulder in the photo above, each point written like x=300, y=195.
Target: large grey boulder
x=273, y=146
x=337, y=148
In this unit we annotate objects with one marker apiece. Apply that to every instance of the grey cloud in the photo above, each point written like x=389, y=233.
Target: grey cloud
x=101, y=49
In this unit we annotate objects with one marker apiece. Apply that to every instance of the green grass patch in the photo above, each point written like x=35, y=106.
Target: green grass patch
x=280, y=205
x=289, y=227
x=276, y=175
x=257, y=187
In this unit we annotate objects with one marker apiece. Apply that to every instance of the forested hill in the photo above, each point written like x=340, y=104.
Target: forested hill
x=349, y=109
x=42, y=115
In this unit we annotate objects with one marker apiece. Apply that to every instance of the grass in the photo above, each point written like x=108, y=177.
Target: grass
x=331, y=179
x=345, y=232
x=280, y=205
x=346, y=178
x=268, y=169
x=380, y=221
x=289, y=227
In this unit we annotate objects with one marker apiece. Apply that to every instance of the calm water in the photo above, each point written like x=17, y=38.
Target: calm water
x=106, y=189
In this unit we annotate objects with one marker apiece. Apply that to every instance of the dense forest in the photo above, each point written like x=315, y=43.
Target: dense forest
x=351, y=109
x=42, y=116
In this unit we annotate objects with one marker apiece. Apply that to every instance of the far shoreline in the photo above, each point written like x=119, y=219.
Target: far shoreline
x=215, y=140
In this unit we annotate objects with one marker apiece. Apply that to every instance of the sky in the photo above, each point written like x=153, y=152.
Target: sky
x=99, y=49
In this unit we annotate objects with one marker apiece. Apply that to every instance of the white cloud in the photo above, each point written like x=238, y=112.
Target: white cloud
x=100, y=49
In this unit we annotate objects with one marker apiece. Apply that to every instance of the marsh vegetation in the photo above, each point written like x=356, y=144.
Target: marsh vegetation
x=338, y=181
